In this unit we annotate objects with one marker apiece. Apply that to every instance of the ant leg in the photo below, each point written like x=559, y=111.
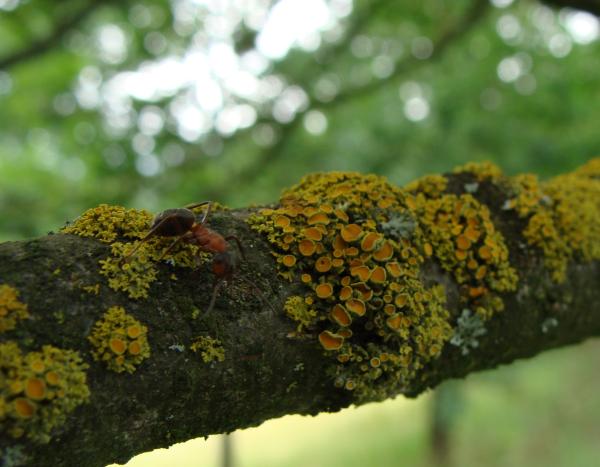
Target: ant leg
x=259, y=293
x=239, y=245
x=171, y=246
x=213, y=299
x=205, y=215
x=147, y=237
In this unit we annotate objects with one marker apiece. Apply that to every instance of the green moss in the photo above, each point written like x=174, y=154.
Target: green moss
x=119, y=340
x=39, y=389
x=11, y=309
x=210, y=349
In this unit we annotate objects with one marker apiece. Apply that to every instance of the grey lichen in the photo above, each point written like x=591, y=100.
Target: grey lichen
x=469, y=327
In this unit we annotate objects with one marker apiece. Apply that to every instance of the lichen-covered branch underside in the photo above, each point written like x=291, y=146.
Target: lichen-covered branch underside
x=347, y=290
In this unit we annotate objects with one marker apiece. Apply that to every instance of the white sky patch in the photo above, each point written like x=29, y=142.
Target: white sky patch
x=583, y=27
x=416, y=109
x=209, y=79
x=315, y=122
x=112, y=43
x=292, y=22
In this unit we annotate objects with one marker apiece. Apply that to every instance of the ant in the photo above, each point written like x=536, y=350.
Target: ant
x=181, y=223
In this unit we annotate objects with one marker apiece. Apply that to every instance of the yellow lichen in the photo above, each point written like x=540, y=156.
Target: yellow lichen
x=297, y=309
x=39, y=389
x=119, y=340
x=131, y=274
x=367, y=255
x=106, y=223
x=485, y=170
x=563, y=215
x=210, y=349
x=11, y=309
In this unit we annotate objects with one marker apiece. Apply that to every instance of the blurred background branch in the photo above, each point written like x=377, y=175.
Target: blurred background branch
x=63, y=27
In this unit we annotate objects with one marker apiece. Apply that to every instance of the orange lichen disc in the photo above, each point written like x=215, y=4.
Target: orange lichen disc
x=134, y=331
x=331, y=341
x=324, y=290
x=313, y=233
x=401, y=300
x=24, y=407
x=117, y=345
x=53, y=378
x=340, y=315
x=477, y=291
x=394, y=322
x=346, y=333
x=341, y=215
x=389, y=309
x=481, y=271
x=485, y=252
x=462, y=242
x=38, y=366
x=318, y=218
x=350, y=385
x=351, y=251
x=288, y=260
x=394, y=269
x=282, y=221
x=306, y=278
x=337, y=262
x=378, y=275
x=35, y=388
x=307, y=247
x=323, y=264
x=370, y=241
x=472, y=233
x=375, y=362
x=351, y=232
x=385, y=252
x=356, y=306
x=345, y=293
x=135, y=348
x=361, y=272
x=461, y=255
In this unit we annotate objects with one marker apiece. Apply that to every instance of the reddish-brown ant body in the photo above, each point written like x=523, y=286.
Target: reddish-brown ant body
x=181, y=223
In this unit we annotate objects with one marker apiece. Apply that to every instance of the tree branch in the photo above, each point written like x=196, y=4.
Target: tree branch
x=62, y=28
x=591, y=6
x=247, y=361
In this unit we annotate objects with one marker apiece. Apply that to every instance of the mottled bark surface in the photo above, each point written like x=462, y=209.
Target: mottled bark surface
x=267, y=372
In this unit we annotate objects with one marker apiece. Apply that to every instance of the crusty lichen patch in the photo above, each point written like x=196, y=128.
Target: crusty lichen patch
x=119, y=340
x=106, y=223
x=465, y=242
x=563, y=215
x=39, y=389
x=131, y=274
x=11, y=309
x=358, y=244
x=210, y=349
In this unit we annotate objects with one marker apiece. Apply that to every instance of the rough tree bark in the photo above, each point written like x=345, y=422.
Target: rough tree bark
x=247, y=361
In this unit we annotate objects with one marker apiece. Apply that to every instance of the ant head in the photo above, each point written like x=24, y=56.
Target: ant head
x=223, y=265
x=173, y=222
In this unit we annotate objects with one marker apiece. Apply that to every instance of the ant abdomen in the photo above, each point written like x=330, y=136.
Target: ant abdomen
x=173, y=222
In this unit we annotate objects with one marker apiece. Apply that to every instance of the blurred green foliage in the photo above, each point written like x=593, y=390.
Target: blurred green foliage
x=157, y=104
